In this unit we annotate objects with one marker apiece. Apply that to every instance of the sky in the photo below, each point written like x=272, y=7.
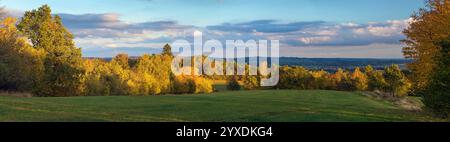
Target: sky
x=305, y=28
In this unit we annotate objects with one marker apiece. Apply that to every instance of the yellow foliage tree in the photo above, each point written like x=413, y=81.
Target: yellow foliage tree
x=21, y=66
x=359, y=80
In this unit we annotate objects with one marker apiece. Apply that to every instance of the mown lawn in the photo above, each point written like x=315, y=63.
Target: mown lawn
x=241, y=106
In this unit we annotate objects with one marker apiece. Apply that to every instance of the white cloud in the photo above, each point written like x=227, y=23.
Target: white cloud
x=100, y=31
x=313, y=40
x=363, y=51
x=13, y=12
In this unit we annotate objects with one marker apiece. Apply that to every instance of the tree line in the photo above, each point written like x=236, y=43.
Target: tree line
x=38, y=55
x=391, y=81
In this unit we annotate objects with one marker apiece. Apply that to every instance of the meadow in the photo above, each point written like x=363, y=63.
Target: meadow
x=227, y=106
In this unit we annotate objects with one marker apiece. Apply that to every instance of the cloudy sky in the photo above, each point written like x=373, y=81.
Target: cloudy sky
x=305, y=28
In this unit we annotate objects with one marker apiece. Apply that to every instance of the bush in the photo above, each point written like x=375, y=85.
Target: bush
x=188, y=84
x=251, y=82
x=346, y=85
x=438, y=101
x=233, y=84
x=181, y=85
x=202, y=85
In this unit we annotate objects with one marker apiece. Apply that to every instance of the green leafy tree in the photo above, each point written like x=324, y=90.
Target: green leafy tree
x=167, y=50
x=437, y=94
x=63, y=62
x=397, y=83
x=376, y=79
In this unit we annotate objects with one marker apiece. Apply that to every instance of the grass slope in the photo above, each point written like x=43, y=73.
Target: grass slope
x=242, y=106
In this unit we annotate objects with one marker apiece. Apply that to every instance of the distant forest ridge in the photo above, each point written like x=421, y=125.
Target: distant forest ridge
x=332, y=64
x=327, y=64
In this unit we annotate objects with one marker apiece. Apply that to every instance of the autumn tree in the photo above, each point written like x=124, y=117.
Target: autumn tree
x=97, y=81
x=21, y=66
x=376, y=79
x=63, y=61
x=429, y=25
x=425, y=40
x=343, y=81
x=294, y=78
x=122, y=60
x=319, y=80
x=158, y=67
x=359, y=79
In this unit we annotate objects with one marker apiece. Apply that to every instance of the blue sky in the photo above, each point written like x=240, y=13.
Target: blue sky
x=303, y=26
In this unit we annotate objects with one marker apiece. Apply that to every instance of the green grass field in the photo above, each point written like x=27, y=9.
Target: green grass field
x=241, y=106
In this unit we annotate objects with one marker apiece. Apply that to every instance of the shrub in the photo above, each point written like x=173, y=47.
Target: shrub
x=202, y=85
x=181, y=85
x=251, y=82
x=188, y=84
x=346, y=84
x=233, y=84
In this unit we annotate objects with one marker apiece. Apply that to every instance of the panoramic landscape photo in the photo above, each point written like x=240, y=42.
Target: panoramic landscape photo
x=224, y=61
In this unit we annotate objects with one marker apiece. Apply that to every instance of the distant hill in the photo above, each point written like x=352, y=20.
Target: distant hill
x=332, y=64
